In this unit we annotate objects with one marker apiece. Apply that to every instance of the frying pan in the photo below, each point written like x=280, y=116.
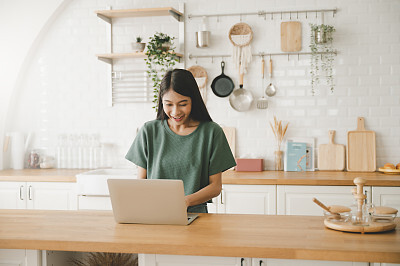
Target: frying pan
x=222, y=85
x=241, y=99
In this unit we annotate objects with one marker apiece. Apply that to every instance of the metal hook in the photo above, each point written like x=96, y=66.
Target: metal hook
x=212, y=59
x=196, y=60
x=281, y=15
x=269, y=56
x=306, y=15
x=316, y=14
x=240, y=17
x=217, y=18
x=288, y=57
x=290, y=14
x=297, y=14
x=298, y=56
x=272, y=16
x=333, y=13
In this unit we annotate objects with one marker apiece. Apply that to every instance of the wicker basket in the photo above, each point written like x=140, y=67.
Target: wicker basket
x=241, y=29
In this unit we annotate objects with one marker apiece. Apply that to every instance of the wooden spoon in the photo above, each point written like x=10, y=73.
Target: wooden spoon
x=336, y=215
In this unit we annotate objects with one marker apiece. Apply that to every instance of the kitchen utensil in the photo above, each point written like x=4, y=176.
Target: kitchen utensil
x=222, y=85
x=19, y=147
x=334, y=214
x=262, y=103
x=241, y=99
x=241, y=36
x=331, y=156
x=202, y=39
x=270, y=90
x=361, y=149
x=201, y=77
x=291, y=36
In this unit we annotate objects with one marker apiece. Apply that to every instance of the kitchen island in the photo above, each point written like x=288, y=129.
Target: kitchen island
x=222, y=235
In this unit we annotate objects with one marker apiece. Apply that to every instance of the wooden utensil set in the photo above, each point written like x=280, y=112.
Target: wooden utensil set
x=361, y=151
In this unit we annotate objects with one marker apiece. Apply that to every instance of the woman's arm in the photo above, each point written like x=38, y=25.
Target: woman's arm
x=141, y=173
x=207, y=193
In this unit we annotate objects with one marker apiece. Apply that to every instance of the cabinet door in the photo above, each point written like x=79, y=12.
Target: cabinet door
x=12, y=195
x=248, y=199
x=386, y=196
x=20, y=257
x=181, y=260
x=297, y=200
x=51, y=196
x=285, y=262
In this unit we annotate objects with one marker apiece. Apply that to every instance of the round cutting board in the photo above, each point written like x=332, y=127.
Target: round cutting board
x=373, y=227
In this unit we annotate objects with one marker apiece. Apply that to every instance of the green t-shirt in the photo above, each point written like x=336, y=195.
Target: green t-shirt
x=191, y=158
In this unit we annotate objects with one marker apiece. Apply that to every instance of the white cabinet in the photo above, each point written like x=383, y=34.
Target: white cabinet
x=178, y=260
x=284, y=262
x=94, y=203
x=38, y=195
x=297, y=200
x=20, y=257
x=386, y=196
x=245, y=199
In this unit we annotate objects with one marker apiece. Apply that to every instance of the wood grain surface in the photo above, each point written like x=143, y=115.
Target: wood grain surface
x=262, y=236
x=291, y=36
x=331, y=156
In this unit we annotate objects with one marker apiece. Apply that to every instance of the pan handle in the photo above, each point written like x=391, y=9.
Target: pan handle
x=262, y=67
x=222, y=66
x=270, y=68
x=241, y=81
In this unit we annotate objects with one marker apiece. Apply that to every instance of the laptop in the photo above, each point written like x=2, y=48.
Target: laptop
x=149, y=201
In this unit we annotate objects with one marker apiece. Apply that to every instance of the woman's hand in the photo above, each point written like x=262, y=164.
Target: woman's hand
x=141, y=173
x=206, y=193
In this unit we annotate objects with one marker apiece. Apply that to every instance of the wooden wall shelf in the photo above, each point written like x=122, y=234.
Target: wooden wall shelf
x=109, y=57
x=107, y=15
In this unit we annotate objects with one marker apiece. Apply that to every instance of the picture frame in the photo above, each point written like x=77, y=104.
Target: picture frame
x=310, y=143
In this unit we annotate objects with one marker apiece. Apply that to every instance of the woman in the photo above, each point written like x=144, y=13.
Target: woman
x=183, y=142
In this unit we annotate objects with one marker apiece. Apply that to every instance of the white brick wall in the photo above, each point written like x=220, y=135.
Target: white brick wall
x=64, y=90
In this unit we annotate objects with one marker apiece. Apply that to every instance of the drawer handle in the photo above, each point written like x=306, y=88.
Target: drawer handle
x=20, y=192
x=222, y=195
x=30, y=192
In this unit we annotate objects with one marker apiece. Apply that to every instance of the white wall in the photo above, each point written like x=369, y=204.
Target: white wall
x=64, y=88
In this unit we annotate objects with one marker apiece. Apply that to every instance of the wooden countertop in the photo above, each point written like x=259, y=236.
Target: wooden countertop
x=231, y=235
x=322, y=178
x=316, y=178
x=41, y=175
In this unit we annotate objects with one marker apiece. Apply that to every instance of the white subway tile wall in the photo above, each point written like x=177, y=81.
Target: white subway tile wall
x=65, y=91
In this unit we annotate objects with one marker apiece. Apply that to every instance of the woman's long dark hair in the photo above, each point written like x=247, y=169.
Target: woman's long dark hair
x=183, y=82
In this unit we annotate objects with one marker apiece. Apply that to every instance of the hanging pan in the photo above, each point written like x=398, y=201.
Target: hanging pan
x=222, y=85
x=241, y=99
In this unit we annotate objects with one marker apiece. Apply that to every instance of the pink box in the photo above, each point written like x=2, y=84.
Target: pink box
x=249, y=165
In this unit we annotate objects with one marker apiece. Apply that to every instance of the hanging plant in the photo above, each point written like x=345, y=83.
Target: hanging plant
x=322, y=55
x=160, y=58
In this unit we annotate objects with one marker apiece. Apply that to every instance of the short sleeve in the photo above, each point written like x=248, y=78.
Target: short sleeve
x=138, y=152
x=221, y=158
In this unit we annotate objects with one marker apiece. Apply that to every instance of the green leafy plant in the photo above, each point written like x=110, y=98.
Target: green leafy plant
x=322, y=55
x=139, y=39
x=160, y=58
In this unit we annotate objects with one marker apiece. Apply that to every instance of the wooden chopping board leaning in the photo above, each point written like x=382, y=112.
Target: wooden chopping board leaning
x=331, y=156
x=361, y=149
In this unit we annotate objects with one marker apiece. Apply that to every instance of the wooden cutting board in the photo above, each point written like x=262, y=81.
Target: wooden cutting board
x=291, y=36
x=331, y=156
x=230, y=134
x=361, y=149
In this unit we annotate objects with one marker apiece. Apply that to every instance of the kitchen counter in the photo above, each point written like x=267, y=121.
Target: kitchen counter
x=41, y=175
x=317, y=178
x=227, y=235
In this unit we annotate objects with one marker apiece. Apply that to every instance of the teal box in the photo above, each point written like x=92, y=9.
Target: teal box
x=296, y=157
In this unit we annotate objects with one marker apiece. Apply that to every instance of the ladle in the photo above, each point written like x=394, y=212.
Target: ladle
x=336, y=215
x=270, y=90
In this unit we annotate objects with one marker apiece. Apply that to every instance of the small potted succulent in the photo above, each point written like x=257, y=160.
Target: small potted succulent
x=138, y=46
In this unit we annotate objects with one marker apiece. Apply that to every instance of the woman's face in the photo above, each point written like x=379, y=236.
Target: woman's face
x=177, y=107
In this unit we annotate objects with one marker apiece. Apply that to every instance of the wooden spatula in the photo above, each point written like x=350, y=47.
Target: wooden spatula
x=331, y=156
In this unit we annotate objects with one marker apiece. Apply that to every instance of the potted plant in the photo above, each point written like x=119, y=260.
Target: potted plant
x=322, y=55
x=160, y=57
x=138, y=46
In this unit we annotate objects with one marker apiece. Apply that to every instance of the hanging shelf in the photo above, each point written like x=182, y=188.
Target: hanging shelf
x=107, y=15
x=109, y=57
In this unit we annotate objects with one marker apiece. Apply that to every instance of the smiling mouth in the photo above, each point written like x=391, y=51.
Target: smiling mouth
x=179, y=118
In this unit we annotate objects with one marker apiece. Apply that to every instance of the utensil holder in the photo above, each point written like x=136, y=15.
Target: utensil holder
x=278, y=160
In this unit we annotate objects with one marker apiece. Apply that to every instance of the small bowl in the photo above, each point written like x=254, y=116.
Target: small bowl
x=380, y=214
x=344, y=216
